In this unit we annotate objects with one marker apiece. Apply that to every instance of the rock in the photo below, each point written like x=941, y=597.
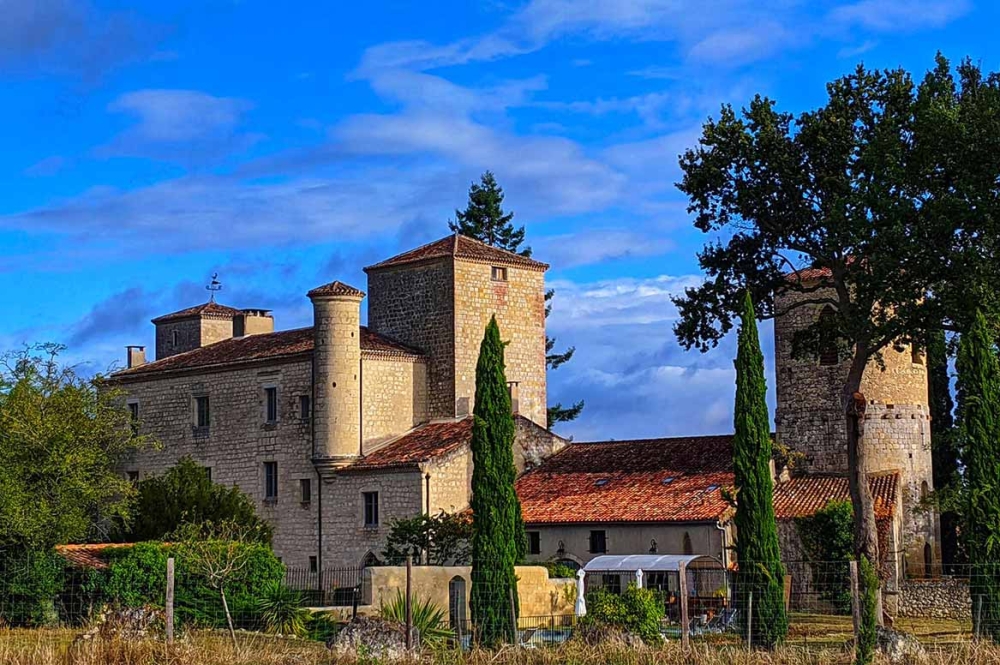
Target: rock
x=372, y=637
x=899, y=647
x=126, y=623
x=594, y=634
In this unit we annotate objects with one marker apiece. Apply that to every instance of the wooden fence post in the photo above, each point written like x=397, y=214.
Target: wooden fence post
x=409, y=602
x=683, y=593
x=855, y=599
x=170, y=601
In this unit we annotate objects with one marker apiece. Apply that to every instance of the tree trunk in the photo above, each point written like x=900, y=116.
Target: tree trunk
x=865, y=528
x=229, y=618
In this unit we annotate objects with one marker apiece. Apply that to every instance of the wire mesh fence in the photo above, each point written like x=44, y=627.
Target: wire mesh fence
x=710, y=606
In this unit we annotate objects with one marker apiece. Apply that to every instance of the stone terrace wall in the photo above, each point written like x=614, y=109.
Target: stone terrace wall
x=939, y=598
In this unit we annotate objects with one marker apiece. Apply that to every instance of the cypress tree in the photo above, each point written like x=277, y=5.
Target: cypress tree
x=497, y=528
x=944, y=446
x=757, y=549
x=979, y=430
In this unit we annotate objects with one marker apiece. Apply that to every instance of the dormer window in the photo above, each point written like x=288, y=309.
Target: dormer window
x=499, y=274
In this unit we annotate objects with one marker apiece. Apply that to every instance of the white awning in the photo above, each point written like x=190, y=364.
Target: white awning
x=624, y=563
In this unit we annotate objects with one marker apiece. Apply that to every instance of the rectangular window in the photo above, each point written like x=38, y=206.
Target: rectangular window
x=133, y=476
x=305, y=490
x=305, y=407
x=371, y=508
x=202, y=411
x=133, y=414
x=534, y=542
x=270, y=481
x=208, y=473
x=271, y=410
x=598, y=542
x=499, y=274
x=313, y=565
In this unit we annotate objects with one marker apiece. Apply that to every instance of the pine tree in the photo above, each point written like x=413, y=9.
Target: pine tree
x=979, y=430
x=485, y=220
x=757, y=550
x=497, y=527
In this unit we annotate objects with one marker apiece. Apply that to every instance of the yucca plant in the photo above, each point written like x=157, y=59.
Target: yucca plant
x=281, y=611
x=429, y=619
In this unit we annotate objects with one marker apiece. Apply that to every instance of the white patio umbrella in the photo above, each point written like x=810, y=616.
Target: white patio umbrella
x=581, y=603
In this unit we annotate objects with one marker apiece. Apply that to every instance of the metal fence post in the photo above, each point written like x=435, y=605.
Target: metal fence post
x=169, y=609
x=750, y=622
x=682, y=590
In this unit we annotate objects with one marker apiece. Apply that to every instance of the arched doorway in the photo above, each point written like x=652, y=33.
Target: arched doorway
x=457, y=602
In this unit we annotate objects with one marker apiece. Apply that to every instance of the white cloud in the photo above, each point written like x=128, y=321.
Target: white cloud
x=900, y=15
x=596, y=245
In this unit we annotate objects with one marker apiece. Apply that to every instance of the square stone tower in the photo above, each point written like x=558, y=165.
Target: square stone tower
x=438, y=298
x=810, y=419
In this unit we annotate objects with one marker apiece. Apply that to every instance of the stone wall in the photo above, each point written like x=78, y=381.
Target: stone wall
x=415, y=304
x=393, y=398
x=238, y=440
x=939, y=598
x=538, y=595
x=519, y=305
x=809, y=419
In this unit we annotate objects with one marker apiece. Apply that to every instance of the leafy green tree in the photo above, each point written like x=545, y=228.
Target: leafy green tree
x=828, y=536
x=757, y=548
x=497, y=529
x=485, y=220
x=979, y=414
x=186, y=494
x=62, y=439
x=439, y=540
x=863, y=204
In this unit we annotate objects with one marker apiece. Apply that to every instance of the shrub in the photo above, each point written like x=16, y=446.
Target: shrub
x=828, y=536
x=281, y=612
x=636, y=611
x=30, y=581
x=428, y=619
x=867, y=636
x=559, y=570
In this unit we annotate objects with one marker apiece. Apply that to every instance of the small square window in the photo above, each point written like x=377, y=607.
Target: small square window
x=371, y=509
x=313, y=565
x=270, y=481
x=133, y=476
x=499, y=274
x=305, y=490
x=271, y=409
x=305, y=407
x=598, y=542
x=534, y=542
x=202, y=415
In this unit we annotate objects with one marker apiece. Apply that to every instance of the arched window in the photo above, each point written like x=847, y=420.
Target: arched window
x=456, y=605
x=829, y=354
x=924, y=491
x=688, y=549
x=916, y=354
x=928, y=560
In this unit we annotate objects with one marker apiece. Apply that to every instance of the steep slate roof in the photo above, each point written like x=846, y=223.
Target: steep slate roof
x=417, y=446
x=267, y=346
x=461, y=247
x=210, y=309
x=628, y=481
x=336, y=288
x=804, y=495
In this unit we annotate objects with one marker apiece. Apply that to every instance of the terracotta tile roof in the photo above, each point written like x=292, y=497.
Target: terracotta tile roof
x=419, y=445
x=209, y=310
x=337, y=288
x=804, y=495
x=461, y=247
x=651, y=480
x=267, y=346
x=88, y=555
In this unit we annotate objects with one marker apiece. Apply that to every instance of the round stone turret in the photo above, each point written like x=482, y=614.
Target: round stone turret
x=336, y=375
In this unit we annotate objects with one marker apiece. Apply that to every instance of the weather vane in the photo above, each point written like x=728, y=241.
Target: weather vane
x=216, y=285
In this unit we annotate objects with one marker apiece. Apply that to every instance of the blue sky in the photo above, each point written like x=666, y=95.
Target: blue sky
x=148, y=145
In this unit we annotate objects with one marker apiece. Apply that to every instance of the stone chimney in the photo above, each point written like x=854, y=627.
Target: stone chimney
x=336, y=375
x=135, y=356
x=253, y=322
